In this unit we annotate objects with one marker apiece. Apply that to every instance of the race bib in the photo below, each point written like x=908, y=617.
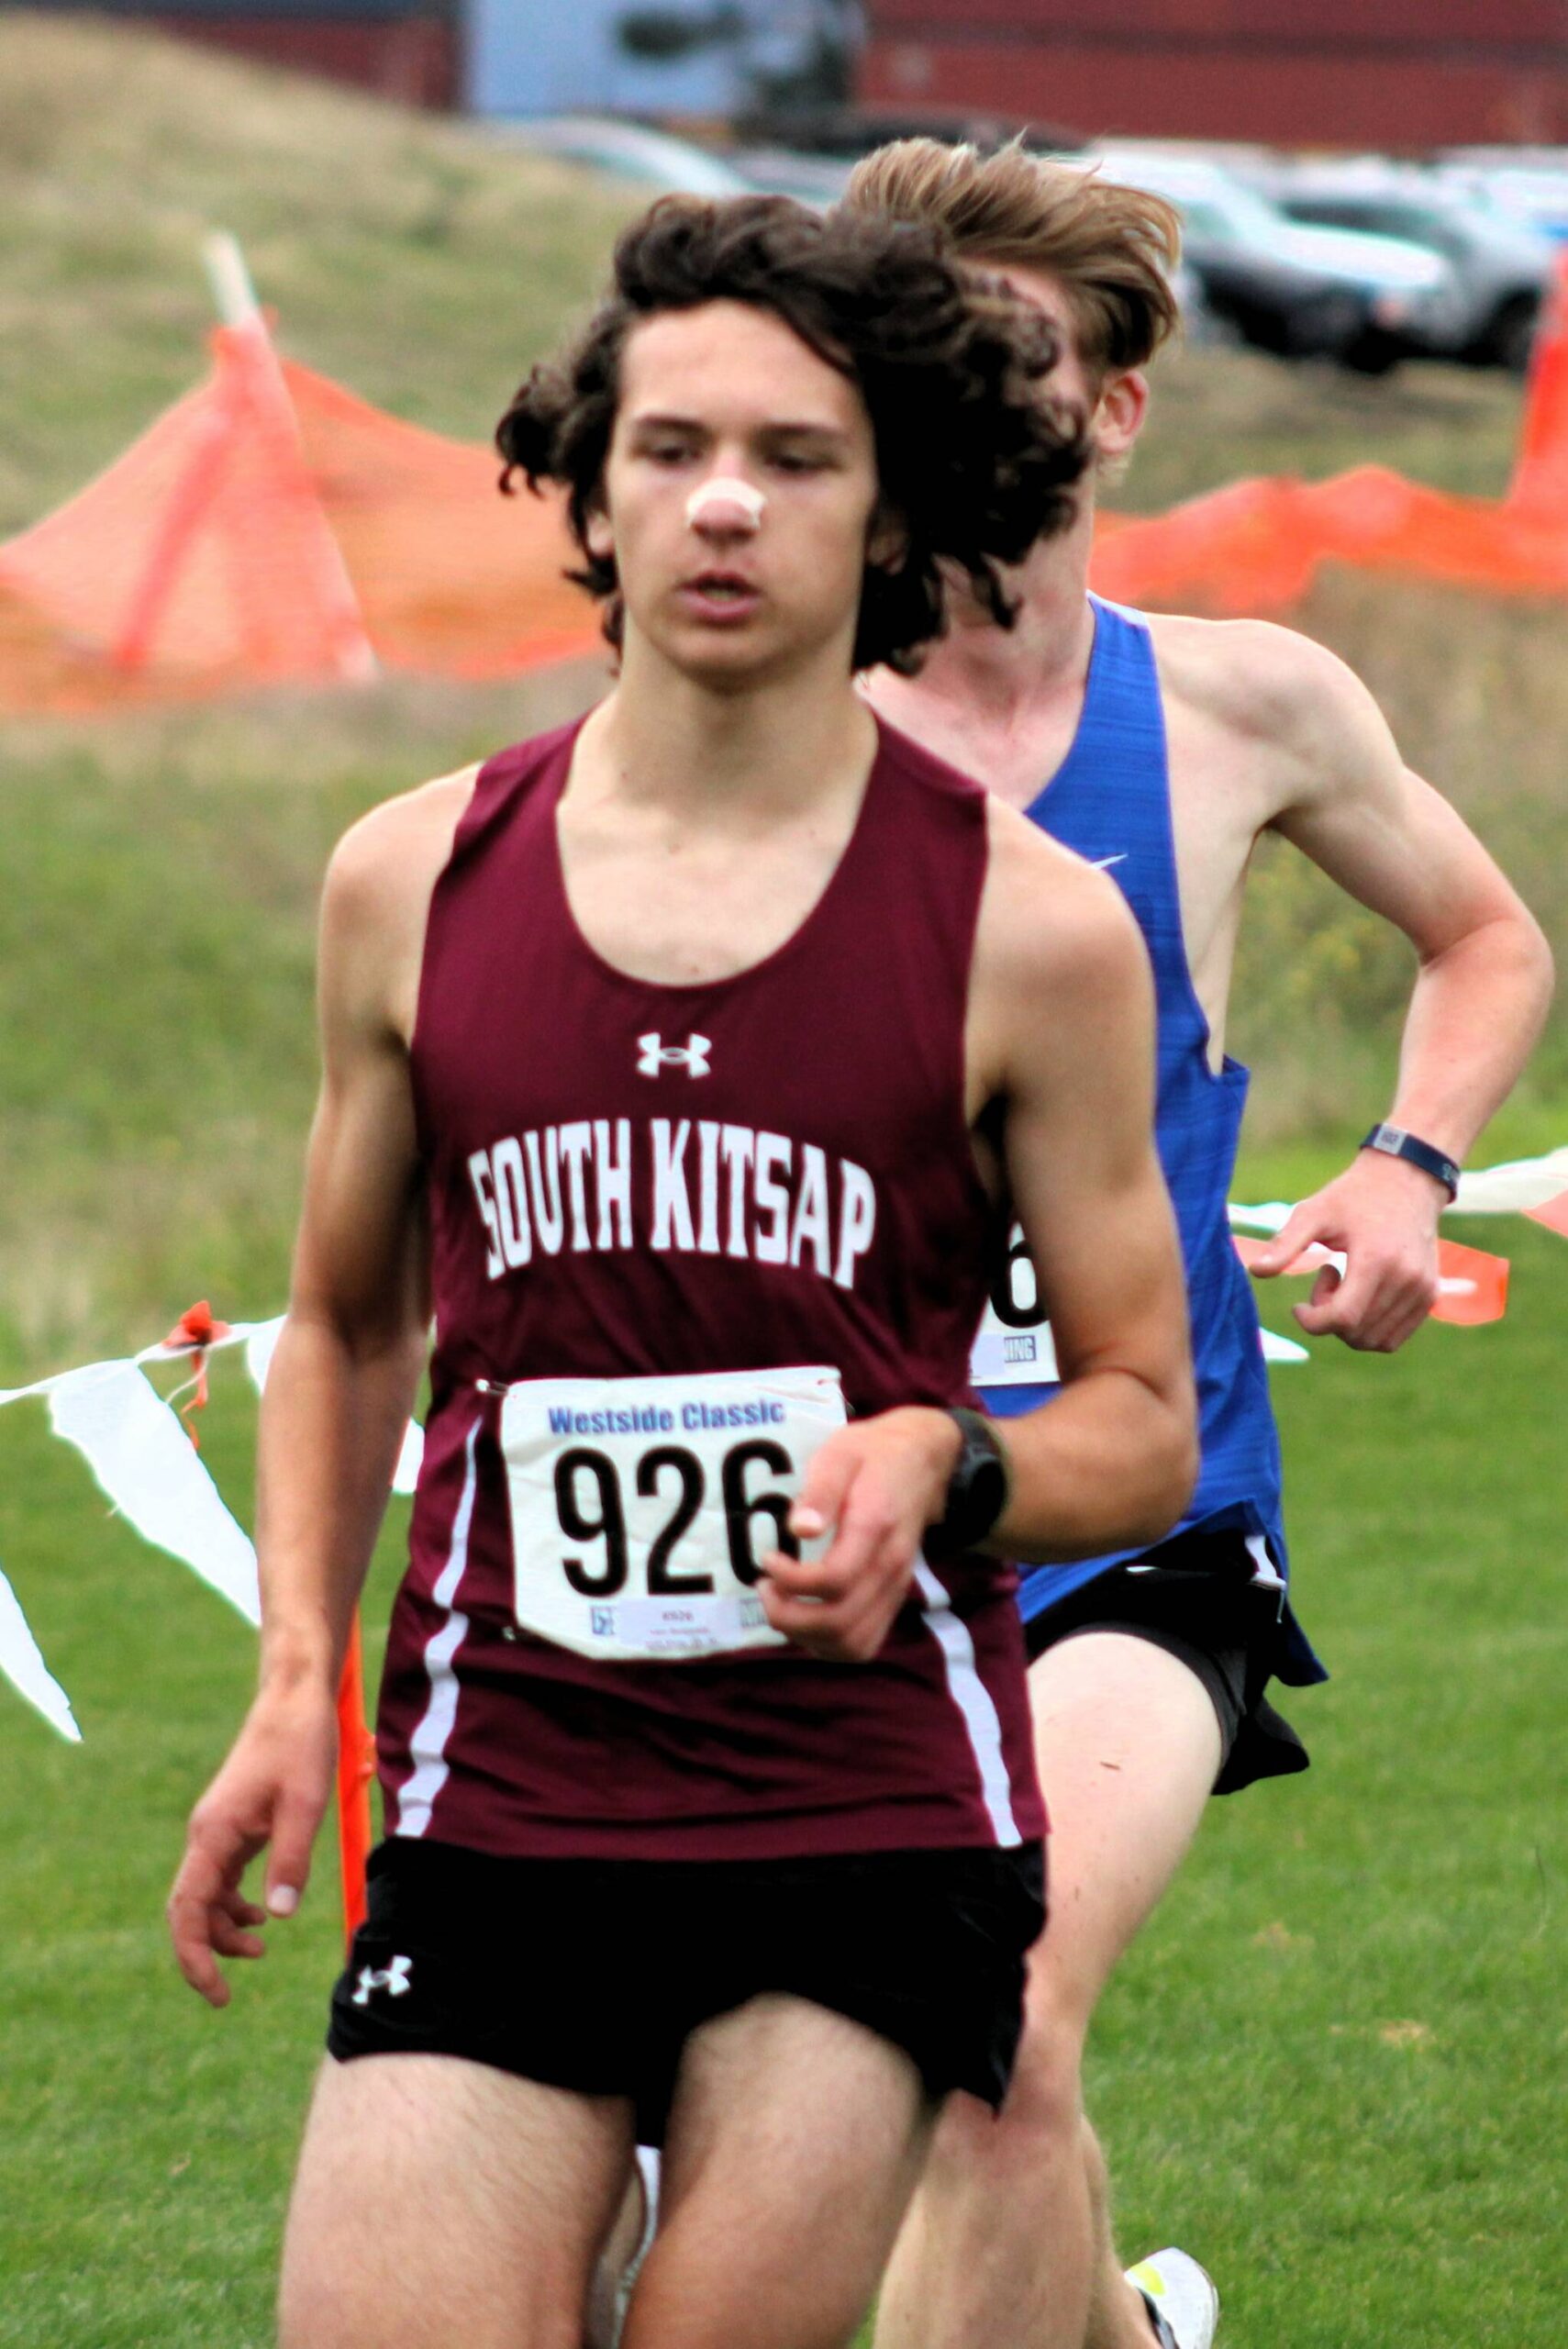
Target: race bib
x=641, y=1507
x=1012, y=1345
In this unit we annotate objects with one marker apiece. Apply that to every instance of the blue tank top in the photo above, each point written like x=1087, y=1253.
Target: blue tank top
x=1110, y=801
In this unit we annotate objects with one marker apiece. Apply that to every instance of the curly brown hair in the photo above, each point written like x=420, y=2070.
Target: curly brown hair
x=973, y=459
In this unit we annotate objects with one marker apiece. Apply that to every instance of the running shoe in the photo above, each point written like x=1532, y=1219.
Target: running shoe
x=1182, y=2304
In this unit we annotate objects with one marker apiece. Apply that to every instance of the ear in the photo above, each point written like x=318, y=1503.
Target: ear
x=601, y=534
x=887, y=538
x=1119, y=414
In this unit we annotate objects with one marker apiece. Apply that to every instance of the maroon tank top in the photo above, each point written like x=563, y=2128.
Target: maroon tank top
x=744, y=1175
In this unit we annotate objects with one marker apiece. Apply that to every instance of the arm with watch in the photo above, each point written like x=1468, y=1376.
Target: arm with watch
x=1477, y=1008
x=1063, y=1040
x=1482, y=989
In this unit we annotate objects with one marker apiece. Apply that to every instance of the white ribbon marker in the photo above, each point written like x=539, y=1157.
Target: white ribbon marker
x=147, y=1465
x=25, y=1668
x=743, y=505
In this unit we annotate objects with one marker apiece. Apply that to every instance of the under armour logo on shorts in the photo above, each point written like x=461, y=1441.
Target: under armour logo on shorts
x=655, y=1055
x=393, y=1979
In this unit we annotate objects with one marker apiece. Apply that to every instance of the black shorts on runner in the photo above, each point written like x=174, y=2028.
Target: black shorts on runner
x=591, y=1973
x=1195, y=1596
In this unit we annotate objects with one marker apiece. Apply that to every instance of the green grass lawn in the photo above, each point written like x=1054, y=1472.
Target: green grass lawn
x=1332, y=2067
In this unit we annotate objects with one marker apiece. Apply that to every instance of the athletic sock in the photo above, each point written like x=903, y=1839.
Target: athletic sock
x=1163, y=2332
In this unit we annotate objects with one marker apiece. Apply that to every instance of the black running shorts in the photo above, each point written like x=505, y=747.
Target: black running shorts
x=1196, y=1596
x=591, y=1973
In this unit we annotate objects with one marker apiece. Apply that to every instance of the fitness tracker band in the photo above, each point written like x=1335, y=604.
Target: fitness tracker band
x=977, y=1489
x=1395, y=1142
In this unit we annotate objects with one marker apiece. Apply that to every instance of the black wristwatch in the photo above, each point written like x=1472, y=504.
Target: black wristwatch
x=977, y=1489
x=1395, y=1142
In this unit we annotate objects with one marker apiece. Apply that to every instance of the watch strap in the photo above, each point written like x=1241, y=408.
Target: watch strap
x=1395, y=1142
x=977, y=1491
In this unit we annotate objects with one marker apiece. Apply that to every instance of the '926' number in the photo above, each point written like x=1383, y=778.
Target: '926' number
x=590, y=1508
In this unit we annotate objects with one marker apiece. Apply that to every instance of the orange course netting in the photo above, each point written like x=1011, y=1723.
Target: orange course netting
x=1257, y=545
x=272, y=528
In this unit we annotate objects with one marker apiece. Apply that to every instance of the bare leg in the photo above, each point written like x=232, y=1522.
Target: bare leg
x=793, y=2141
x=439, y=2201
x=1008, y=2236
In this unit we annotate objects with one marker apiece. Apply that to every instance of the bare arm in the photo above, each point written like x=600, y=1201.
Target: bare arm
x=341, y=1385
x=1062, y=1027
x=1480, y=998
x=1112, y=1460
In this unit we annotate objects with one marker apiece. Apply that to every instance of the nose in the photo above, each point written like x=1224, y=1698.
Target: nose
x=725, y=506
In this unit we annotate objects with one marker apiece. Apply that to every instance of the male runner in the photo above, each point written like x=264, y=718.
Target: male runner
x=1161, y=749
x=678, y=1059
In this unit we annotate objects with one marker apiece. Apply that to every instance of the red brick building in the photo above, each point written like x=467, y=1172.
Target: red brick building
x=405, y=50
x=1404, y=74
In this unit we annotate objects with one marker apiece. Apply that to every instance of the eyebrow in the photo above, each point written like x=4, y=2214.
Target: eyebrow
x=783, y=428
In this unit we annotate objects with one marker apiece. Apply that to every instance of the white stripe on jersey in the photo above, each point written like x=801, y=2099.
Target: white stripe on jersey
x=973, y=1698
x=429, y=1742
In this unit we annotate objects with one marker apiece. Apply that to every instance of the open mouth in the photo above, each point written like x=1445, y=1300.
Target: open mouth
x=716, y=592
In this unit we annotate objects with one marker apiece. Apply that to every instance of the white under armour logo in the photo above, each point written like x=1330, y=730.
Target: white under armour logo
x=393, y=1979
x=656, y=1055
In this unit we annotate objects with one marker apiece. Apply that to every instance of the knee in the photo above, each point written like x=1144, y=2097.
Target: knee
x=1041, y=2122
x=1045, y=2098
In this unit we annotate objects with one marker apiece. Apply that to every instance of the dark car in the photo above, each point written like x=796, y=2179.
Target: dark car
x=1297, y=290
x=1500, y=267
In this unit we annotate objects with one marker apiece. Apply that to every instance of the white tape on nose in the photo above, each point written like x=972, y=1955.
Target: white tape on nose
x=727, y=499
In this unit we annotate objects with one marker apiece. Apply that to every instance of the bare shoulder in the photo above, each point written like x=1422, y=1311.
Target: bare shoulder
x=376, y=900
x=1255, y=676
x=1048, y=918
x=393, y=854
x=385, y=865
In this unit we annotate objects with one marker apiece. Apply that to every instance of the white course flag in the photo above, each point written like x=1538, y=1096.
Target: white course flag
x=1515, y=1187
x=25, y=1668
x=146, y=1462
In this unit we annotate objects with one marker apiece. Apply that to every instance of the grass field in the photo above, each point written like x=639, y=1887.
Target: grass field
x=1333, y=2066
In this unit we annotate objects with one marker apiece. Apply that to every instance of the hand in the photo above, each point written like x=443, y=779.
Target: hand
x=1383, y=1215
x=274, y=1789
x=878, y=1484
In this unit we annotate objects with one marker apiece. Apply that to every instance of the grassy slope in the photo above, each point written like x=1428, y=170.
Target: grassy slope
x=424, y=267
x=1331, y=2067
x=1354, y=2185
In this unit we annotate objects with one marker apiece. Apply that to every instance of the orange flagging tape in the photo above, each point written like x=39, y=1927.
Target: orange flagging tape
x=356, y=1768
x=194, y=566
x=197, y=1328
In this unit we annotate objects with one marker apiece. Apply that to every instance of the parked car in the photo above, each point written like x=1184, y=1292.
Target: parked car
x=1364, y=300
x=1501, y=266
x=1532, y=191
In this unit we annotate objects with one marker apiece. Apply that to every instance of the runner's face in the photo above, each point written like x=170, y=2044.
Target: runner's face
x=730, y=595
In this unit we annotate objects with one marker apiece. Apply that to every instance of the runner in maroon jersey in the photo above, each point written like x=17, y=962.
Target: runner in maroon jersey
x=683, y=1061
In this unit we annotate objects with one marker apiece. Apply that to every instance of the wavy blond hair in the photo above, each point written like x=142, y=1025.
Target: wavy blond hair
x=1113, y=248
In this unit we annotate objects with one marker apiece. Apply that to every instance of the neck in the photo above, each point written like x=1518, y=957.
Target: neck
x=1004, y=675
x=766, y=749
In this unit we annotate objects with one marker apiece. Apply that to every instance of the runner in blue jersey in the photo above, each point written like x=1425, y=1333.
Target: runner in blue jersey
x=1161, y=748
